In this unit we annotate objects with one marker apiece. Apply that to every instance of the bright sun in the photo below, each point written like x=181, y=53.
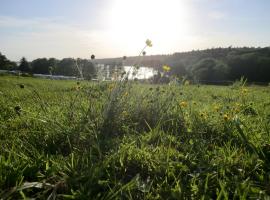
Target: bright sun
x=163, y=21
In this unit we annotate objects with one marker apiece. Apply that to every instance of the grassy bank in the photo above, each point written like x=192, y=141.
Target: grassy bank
x=69, y=140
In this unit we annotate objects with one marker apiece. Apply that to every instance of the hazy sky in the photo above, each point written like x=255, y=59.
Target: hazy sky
x=113, y=28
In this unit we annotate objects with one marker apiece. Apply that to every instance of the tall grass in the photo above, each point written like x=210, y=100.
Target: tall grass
x=64, y=140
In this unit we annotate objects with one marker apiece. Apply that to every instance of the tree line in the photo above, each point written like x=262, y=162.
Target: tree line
x=216, y=64
x=222, y=64
x=210, y=65
x=51, y=66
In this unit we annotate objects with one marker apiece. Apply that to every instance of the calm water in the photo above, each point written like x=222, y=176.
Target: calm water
x=141, y=73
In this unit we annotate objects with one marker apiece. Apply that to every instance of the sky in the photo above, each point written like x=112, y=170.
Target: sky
x=114, y=28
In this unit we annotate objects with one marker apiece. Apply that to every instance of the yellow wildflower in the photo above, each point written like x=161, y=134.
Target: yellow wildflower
x=244, y=91
x=237, y=104
x=183, y=104
x=236, y=109
x=216, y=108
x=148, y=43
x=187, y=82
x=226, y=117
x=124, y=113
x=203, y=115
x=110, y=87
x=166, y=68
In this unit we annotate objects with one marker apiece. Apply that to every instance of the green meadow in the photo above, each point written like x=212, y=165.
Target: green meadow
x=115, y=140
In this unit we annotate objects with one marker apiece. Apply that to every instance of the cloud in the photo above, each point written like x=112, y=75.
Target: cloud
x=45, y=37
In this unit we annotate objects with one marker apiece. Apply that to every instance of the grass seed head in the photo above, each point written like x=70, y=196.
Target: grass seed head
x=18, y=109
x=21, y=86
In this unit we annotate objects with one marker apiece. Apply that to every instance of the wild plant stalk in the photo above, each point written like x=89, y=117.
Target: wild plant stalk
x=78, y=68
x=120, y=87
x=148, y=43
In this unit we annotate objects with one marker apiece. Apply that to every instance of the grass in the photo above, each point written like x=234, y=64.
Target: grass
x=69, y=140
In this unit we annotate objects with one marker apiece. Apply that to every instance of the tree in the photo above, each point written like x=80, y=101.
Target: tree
x=3, y=61
x=177, y=68
x=87, y=67
x=40, y=66
x=6, y=64
x=43, y=65
x=67, y=67
x=52, y=62
x=24, y=65
x=210, y=69
x=254, y=66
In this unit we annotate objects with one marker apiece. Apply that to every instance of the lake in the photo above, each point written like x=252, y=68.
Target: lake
x=141, y=73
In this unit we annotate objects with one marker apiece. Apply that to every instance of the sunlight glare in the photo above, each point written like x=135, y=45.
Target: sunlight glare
x=132, y=21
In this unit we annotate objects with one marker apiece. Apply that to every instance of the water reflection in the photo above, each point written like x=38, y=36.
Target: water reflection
x=141, y=73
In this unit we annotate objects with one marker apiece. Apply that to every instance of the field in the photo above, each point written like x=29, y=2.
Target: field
x=85, y=140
